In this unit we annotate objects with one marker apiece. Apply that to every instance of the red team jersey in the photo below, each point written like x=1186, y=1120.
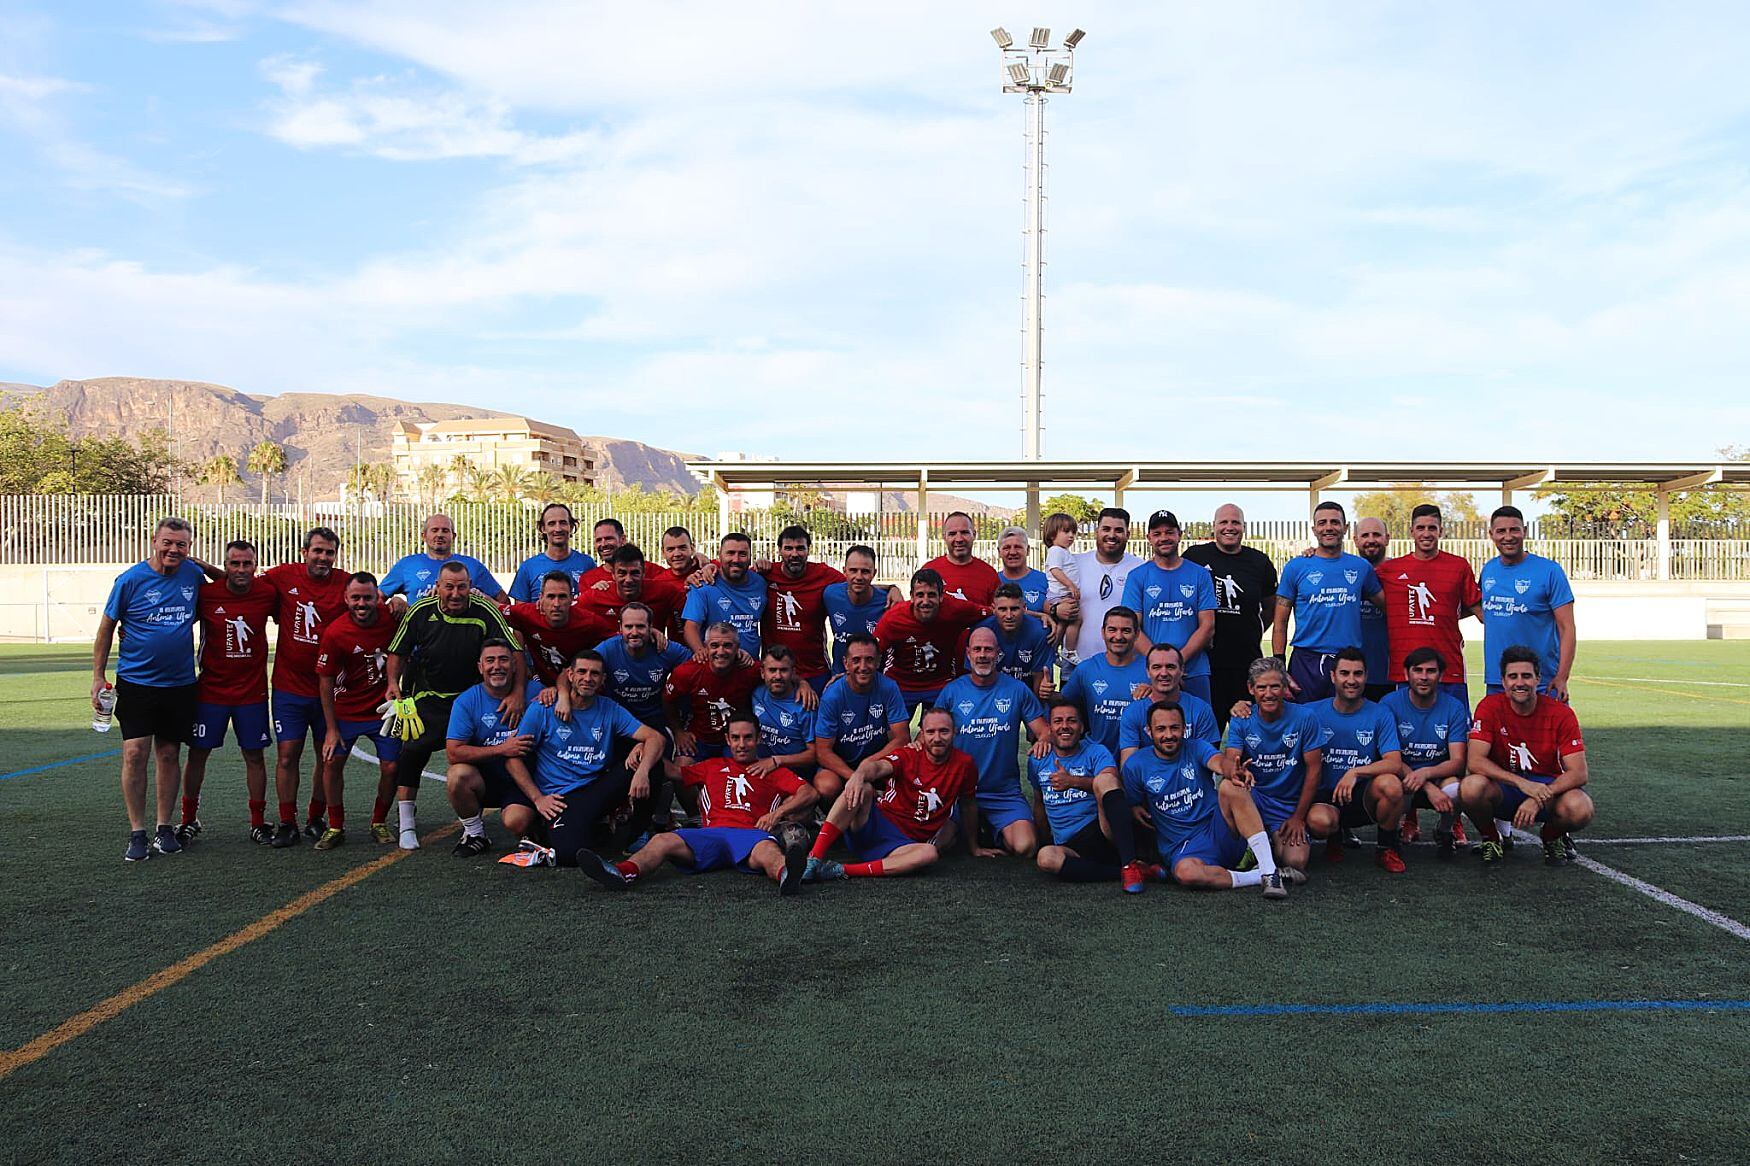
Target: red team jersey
x=234, y=642
x=976, y=582
x=731, y=797
x=551, y=648
x=925, y=656
x=921, y=795
x=1424, y=600
x=355, y=658
x=1529, y=746
x=712, y=699
x=600, y=604
x=796, y=615
x=306, y=606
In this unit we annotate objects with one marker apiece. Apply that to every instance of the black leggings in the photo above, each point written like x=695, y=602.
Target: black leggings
x=579, y=823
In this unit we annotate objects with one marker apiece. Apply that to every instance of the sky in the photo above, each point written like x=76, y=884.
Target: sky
x=1276, y=230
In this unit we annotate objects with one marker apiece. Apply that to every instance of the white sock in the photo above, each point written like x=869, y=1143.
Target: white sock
x=1259, y=844
x=408, y=821
x=1450, y=789
x=474, y=827
x=1505, y=827
x=1246, y=878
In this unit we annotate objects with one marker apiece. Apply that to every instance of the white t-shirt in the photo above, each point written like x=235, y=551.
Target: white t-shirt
x=1060, y=559
x=1102, y=588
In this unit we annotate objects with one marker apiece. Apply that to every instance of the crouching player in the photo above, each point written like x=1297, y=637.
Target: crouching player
x=907, y=827
x=1082, y=850
x=1527, y=763
x=351, y=674
x=1431, y=730
x=740, y=804
x=1358, y=782
x=477, y=744
x=1274, y=749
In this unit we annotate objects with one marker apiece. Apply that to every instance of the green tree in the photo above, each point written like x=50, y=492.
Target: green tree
x=267, y=459
x=32, y=448
x=220, y=471
x=511, y=483
x=376, y=479
x=430, y=482
x=1393, y=505
x=1633, y=511
x=1085, y=511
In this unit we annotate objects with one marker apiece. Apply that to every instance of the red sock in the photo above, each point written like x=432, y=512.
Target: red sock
x=190, y=807
x=336, y=816
x=317, y=808
x=1550, y=831
x=628, y=868
x=257, y=813
x=829, y=834
x=865, y=870
x=289, y=812
x=380, y=811
x=1490, y=834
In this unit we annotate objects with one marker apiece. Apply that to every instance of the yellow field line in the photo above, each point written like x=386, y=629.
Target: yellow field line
x=1661, y=691
x=109, y=1009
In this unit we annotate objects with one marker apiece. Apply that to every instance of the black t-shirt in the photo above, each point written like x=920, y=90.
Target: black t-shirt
x=1244, y=581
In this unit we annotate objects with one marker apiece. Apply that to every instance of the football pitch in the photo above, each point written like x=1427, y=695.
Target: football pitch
x=242, y=1003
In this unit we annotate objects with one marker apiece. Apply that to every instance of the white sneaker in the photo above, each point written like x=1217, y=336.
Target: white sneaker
x=410, y=840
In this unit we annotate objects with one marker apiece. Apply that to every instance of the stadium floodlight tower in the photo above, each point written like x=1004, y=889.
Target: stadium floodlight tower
x=1034, y=70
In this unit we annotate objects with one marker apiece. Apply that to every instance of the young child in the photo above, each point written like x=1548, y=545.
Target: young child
x=1060, y=536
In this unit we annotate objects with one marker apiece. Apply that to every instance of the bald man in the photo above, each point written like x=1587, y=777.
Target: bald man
x=415, y=576
x=1245, y=596
x=1371, y=541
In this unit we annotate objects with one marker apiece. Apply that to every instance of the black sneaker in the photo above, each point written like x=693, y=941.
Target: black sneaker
x=1570, y=852
x=601, y=870
x=164, y=841
x=138, y=850
x=1351, y=840
x=188, y=831
x=795, y=861
x=314, y=829
x=472, y=844
x=285, y=836
x=261, y=835
x=1553, y=854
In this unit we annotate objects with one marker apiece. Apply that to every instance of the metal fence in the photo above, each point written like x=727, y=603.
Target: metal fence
x=74, y=531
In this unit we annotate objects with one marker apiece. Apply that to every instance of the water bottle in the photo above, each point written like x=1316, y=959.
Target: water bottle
x=104, y=717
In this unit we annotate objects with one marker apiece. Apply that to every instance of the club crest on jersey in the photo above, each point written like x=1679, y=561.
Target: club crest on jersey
x=1365, y=736
x=621, y=676
x=188, y=593
x=875, y=710
x=1003, y=706
x=1315, y=577
x=1253, y=740
x=596, y=733
x=1290, y=740
x=422, y=576
x=154, y=595
x=786, y=719
x=1440, y=731
x=1099, y=687
x=1153, y=592
x=723, y=602
x=489, y=719
x=1405, y=728
x=1025, y=655
x=1488, y=584
x=965, y=708
x=1187, y=590
x=1351, y=576
x=1522, y=585
x=563, y=732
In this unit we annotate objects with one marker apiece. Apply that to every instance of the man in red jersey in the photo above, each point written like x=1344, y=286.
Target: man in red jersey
x=907, y=827
x=963, y=577
x=233, y=691
x=607, y=537
x=554, y=628
x=681, y=561
x=924, y=638
x=1426, y=593
x=739, y=807
x=351, y=674
x=312, y=594
x=795, y=612
x=629, y=578
x=700, y=697
x=1527, y=763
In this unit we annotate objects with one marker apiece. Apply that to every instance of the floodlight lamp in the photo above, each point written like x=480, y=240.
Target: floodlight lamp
x=1073, y=39
x=1041, y=38
x=1019, y=73
x=1057, y=74
x=1002, y=37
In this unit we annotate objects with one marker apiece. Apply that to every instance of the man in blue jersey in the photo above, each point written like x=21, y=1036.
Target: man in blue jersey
x=786, y=739
x=1081, y=848
x=1176, y=600
x=154, y=605
x=415, y=576
x=855, y=606
x=1012, y=567
x=737, y=596
x=578, y=769
x=1023, y=645
x=477, y=743
x=1526, y=600
x=1203, y=826
x=861, y=715
x=556, y=526
x=1274, y=748
x=1432, y=725
x=990, y=709
x=1324, y=592
x=1163, y=685
x=1362, y=759
x=1106, y=684
x=637, y=661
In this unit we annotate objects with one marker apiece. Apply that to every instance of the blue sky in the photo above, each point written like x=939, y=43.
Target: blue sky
x=1276, y=230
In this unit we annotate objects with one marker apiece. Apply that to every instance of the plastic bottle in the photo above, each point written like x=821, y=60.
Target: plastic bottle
x=104, y=716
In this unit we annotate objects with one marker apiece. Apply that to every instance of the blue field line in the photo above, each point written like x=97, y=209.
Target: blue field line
x=59, y=764
x=1461, y=1007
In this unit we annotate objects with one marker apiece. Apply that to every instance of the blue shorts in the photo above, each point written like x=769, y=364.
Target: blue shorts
x=721, y=847
x=293, y=716
x=1312, y=672
x=1002, y=809
x=1274, y=811
x=1512, y=797
x=386, y=748
x=210, y=721
x=498, y=788
x=877, y=838
x=1198, y=686
x=1459, y=691
x=914, y=699
x=1213, y=843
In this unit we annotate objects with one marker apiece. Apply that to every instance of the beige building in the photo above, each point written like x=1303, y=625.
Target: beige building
x=490, y=442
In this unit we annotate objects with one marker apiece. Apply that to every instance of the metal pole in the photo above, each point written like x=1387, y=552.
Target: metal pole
x=1033, y=289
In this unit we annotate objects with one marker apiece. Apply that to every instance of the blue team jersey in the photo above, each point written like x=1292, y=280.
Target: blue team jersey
x=1277, y=749
x=1375, y=644
x=1103, y=691
x=635, y=682
x=846, y=619
x=416, y=576
x=1170, y=603
x=1179, y=792
x=1200, y=723
x=857, y=723
x=526, y=587
x=720, y=601
x=987, y=727
x=1032, y=585
x=1519, y=604
x=1353, y=739
x=156, y=617
x=568, y=755
x=1024, y=653
x=1327, y=595
x=1425, y=735
x=474, y=716
x=1070, y=810
x=785, y=726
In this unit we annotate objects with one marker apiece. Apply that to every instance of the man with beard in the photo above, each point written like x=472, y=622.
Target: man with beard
x=700, y=696
x=477, y=744
x=312, y=596
x=1245, y=594
x=352, y=669
x=922, y=638
x=1163, y=685
x=1176, y=600
x=627, y=578
x=556, y=527
x=796, y=612
x=736, y=596
x=1324, y=591
x=1100, y=576
x=990, y=711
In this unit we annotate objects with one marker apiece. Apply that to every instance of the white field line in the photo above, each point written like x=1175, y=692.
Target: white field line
x=1655, y=680
x=1640, y=841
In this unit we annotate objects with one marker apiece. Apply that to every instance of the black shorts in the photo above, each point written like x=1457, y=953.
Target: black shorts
x=1092, y=844
x=145, y=710
x=498, y=788
x=1355, y=813
x=434, y=712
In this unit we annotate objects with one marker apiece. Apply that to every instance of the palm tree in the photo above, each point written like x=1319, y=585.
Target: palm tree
x=269, y=460
x=460, y=469
x=510, y=483
x=220, y=471
x=375, y=478
x=430, y=482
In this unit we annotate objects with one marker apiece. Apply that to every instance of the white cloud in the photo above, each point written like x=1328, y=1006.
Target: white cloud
x=28, y=108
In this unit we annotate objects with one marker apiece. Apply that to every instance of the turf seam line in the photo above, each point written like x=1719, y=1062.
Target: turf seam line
x=59, y=764
x=1668, y=839
x=77, y=1026
x=1457, y=1007
x=1689, y=695
x=1656, y=680
x=1659, y=894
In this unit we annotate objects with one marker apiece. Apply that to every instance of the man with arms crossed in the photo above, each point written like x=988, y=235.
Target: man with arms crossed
x=352, y=671
x=1245, y=594
x=861, y=716
x=1426, y=593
